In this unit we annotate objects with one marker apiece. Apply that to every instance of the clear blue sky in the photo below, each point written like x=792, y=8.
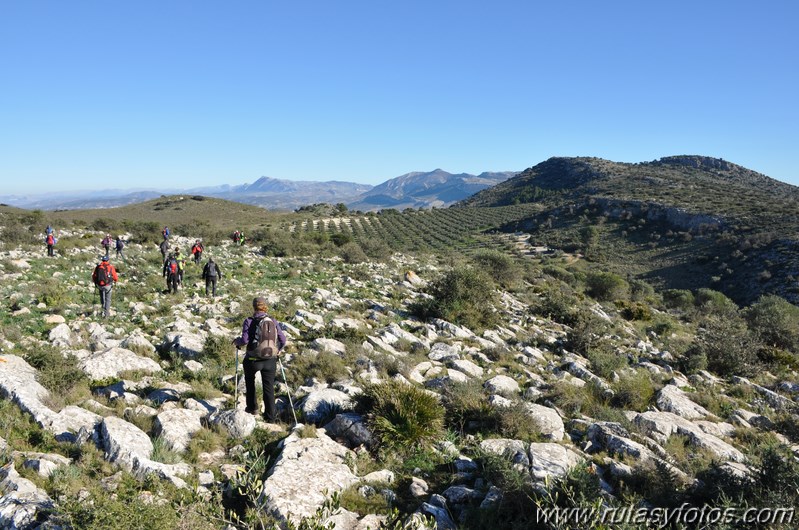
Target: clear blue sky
x=99, y=94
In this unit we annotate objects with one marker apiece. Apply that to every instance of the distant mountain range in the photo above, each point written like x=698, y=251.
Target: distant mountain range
x=436, y=188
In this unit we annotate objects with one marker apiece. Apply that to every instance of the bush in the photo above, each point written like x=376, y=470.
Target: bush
x=681, y=299
x=352, y=253
x=376, y=249
x=400, y=415
x=634, y=392
x=586, y=332
x=727, y=345
x=502, y=267
x=467, y=409
x=634, y=310
x=464, y=296
x=217, y=348
x=775, y=321
x=57, y=373
x=604, y=360
x=712, y=302
x=606, y=286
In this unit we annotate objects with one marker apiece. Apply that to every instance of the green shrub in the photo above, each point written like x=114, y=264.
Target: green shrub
x=728, y=346
x=633, y=392
x=53, y=294
x=340, y=239
x=467, y=408
x=606, y=286
x=634, y=310
x=463, y=295
x=502, y=268
x=711, y=302
x=56, y=372
x=217, y=348
x=681, y=299
x=375, y=248
x=324, y=366
x=352, y=253
x=558, y=303
x=586, y=331
x=605, y=360
x=775, y=321
x=400, y=415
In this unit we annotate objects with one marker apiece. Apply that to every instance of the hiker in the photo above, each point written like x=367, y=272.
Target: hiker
x=119, y=246
x=48, y=230
x=181, y=265
x=50, y=241
x=171, y=273
x=197, y=251
x=241, y=238
x=236, y=237
x=275, y=340
x=164, y=247
x=106, y=243
x=211, y=272
x=104, y=276
x=165, y=232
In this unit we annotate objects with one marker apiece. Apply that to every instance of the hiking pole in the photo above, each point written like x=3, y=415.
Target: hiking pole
x=236, y=392
x=288, y=390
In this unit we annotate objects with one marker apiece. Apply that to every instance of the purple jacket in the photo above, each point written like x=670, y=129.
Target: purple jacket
x=245, y=332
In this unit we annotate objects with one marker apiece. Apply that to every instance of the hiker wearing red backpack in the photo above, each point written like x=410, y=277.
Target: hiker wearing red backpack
x=197, y=251
x=104, y=277
x=50, y=241
x=264, y=339
x=171, y=273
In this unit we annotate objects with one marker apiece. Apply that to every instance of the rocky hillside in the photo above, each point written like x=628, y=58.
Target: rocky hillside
x=679, y=222
x=426, y=393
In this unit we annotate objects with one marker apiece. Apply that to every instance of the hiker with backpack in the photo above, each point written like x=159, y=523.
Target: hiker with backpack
x=211, y=272
x=236, y=237
x=50, y=241
x=165, y=233
x=106, y=243
x=197, y=251
x=263, y=338
x=171, y=273
x=164, y=247
x=119, y=246
x=104, y=276
x=181, y=265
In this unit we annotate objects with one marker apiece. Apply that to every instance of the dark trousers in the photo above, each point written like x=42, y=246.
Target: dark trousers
x=197, y=257
x=50, y=250
x=172, y=283
x=106, y=247
x=267, y=367
x=210, y=282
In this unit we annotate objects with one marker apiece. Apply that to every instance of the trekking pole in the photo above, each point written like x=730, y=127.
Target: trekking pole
x=236, y=392
x=288, y=390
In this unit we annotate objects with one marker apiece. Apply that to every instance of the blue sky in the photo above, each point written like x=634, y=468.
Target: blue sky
x=181, y=94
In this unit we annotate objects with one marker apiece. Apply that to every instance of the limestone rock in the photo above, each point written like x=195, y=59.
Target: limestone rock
x=502, y=384
x=329, y=346
x=305, y=473
x=549, y=460
x=672, y=399
x=351, y=428
x=177, y=426
x=468, y=367
x=548, y=420
x=112, y=362
x=20, y=500
x=237, y=423
x=61, y=336
x=322, y=404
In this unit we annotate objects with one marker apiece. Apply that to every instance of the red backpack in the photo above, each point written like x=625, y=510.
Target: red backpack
x=102, y=274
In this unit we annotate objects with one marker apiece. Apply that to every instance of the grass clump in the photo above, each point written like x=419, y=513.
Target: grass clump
x=57, y=373
x=400, y=415
x=634, y=392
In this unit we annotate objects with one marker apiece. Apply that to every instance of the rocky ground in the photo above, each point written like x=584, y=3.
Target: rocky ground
x=150, y=393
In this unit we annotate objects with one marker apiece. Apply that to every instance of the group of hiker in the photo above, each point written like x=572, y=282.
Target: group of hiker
x=262, y=336
x=239, y=238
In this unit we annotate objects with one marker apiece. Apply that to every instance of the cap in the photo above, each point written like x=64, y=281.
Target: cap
x=105, y=258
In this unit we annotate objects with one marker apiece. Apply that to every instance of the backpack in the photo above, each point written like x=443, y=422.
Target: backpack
x=50, y=240
x=263, y=343
x=102, y=276
x=173, y=266
x=210, y=269
x=120, y=244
